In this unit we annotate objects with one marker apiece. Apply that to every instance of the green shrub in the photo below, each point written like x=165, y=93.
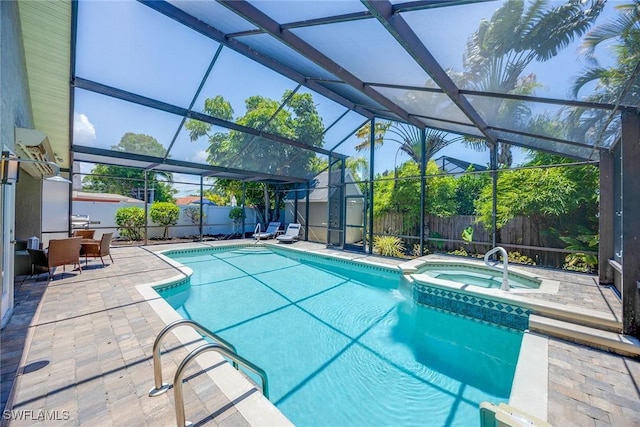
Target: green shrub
x=193, y=214
x=460, y=252
x=130, y=222
x=516, y=257
x=580, y=262
x=416, y=251
x=236, y=214
x=388, y=246
x=165, y=214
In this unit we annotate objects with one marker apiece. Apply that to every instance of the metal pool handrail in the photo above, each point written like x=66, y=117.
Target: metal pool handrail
x=159, y=386
x=505, y=262
x=177, y=380
x=256, y=232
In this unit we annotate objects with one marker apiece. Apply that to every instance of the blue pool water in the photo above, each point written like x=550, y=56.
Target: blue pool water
x=345, y=345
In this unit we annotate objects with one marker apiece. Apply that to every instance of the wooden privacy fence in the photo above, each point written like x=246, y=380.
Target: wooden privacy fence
x=519, y=231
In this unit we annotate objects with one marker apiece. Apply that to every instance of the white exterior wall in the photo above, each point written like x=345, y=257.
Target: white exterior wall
x=216, y=219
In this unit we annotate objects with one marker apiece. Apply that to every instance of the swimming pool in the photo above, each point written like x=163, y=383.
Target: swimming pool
x=344, y=344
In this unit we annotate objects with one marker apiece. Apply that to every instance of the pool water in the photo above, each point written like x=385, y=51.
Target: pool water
x=346, y=346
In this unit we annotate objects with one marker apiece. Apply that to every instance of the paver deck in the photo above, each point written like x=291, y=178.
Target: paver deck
x=80, y=350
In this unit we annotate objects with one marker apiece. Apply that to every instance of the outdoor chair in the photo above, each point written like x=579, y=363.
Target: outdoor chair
x=98, y=248
x=85, y=234
x=61, y=252
x=291, y=235
x=269, y=233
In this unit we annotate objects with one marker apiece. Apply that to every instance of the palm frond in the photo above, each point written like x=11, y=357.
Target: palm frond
x=613, y=29
x=561, y=25
x=587, y=76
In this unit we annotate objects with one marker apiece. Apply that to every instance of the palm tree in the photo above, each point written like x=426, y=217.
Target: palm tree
x=408, y=138
x=616, y=84
x=501, y=49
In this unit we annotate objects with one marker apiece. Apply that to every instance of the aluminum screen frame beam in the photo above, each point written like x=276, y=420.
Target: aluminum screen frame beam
x=158, y=163
x=207, y=30
x=95, y=87
x=273, y=28
x=407, y=38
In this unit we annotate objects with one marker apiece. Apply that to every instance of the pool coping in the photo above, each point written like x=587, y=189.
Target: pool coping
x=529, y=388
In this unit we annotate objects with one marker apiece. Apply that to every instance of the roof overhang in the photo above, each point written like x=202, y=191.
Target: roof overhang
x=46, y=35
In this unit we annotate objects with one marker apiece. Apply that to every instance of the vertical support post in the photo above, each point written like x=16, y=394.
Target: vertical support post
x=306, y=214
x=493, y=151
x=423, y=186
x=146, y=211
x=329, y=173
x=630, y=214
x=372, y=149
x=266, y=204
x=70, y=200
x=295, y=206
x=201, y=206
x=606, y=215
x=244, y=211
x=343, y=208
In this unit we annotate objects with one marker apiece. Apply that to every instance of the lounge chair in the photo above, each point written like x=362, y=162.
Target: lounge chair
x=291, y=235
x=61, y=252
x=269, y=233
x=98, y=248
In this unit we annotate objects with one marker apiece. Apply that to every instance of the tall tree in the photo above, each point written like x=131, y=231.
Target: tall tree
x=615, y=84
x=407, y=137
x=563, y=203
x=294, y=117
x=130, y=181
x=498, y=53
x=404, y=196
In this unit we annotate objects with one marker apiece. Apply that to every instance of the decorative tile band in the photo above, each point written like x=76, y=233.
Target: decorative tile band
x=335, y=260
x=182, y=282
x=290, y=253
x=200, y=251
x=471, y=306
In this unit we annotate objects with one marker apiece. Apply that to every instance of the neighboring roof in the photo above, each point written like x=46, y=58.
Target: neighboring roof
x=453, y=165
x=193, y=199
x=83, y=196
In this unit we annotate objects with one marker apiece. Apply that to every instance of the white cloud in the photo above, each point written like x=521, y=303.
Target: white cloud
x=84, y=133
x=200, y=157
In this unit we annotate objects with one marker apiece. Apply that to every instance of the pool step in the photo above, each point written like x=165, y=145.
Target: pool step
x=577, y=315
x=598, y=338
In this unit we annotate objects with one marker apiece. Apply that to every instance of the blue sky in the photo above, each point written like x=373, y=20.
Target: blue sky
x=127, y=45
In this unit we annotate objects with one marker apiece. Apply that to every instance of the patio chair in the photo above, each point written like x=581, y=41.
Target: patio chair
x=61, y=252
x=85, y=234
x=98, y=248
x=269, y=233
x=291, y=235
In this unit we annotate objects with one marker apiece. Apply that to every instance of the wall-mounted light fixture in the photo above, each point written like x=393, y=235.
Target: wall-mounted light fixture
x=10, y=169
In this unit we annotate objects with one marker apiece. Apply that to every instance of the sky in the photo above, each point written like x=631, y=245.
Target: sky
x=127, y=45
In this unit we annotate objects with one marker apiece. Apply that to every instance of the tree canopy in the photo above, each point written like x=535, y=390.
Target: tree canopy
x=130, y=181
x=403, y=195
x=298, y=120
x=558, y=200
x=294, y=117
